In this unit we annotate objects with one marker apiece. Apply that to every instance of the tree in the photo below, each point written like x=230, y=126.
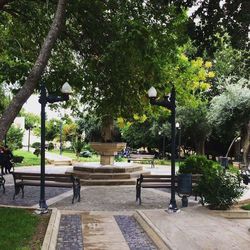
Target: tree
x=36, y=72
x=195, y=125
x=120, y=48
x=230, y=113
x=14, y=138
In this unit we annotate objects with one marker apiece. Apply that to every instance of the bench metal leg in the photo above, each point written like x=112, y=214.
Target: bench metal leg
x=138, y=194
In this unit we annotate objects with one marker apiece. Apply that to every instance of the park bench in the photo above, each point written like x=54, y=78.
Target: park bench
x=22, y=179
x=2, y=182
x=141, y=158
x=160, y=181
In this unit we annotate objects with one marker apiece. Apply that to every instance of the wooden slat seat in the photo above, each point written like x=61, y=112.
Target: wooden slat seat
x=141, y=158
x=159, y=181
x=22, y=179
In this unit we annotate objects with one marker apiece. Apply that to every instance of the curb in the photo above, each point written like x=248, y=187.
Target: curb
x=152, y=231
x=50, y=239
x=233, y=214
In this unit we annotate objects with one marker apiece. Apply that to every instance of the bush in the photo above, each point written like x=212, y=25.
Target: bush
x=51, y=146
x=37, y=152
x=17, y=159
x=219, y=189
x=15, y=137
x=196, y=164
x=36, y=145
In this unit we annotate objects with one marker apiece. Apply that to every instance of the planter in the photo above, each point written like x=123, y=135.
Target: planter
x=107, y=151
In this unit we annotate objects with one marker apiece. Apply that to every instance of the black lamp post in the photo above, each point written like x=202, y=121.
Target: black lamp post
x=169, y=103
x=178, y=127
x=44, y=99
x=61, y=126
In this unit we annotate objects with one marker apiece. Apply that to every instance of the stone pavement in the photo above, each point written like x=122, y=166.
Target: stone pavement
x=104, y=218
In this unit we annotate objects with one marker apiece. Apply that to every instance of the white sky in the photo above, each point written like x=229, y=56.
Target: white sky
x=33, y=106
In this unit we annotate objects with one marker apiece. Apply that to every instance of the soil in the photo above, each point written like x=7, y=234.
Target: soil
x=37, y=239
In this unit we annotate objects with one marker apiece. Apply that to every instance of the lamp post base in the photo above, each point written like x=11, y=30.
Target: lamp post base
x=43, y=207
x=172, y=208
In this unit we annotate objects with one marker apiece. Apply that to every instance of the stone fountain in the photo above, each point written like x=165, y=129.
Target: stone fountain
x=107, y=151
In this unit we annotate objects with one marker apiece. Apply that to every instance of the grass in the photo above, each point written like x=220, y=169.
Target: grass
x=17, y=228
x=29, y=158
x=96, y=158
x=72, y=155
x=246, y=207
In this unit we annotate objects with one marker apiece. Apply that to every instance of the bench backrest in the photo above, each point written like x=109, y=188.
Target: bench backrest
x=141, y=156
x=165, y=178
x=37, y=176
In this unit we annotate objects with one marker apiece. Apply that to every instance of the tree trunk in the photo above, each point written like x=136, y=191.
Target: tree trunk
x=200, y=147
x=245, y=135
x=36, y=72
x=107, y=129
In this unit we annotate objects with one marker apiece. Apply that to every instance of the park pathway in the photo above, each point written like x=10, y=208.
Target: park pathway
x=101, y=231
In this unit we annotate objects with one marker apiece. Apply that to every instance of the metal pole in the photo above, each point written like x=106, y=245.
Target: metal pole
x=179, y=147
x=29, y=140
x=172, y=204
x=163, y=146
x=43, y=101
x=61, y=124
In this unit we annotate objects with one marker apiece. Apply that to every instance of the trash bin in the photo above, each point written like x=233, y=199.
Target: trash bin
x=184, y=187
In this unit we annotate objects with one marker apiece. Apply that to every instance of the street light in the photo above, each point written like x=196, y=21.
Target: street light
x=43, y=100
x=169, y=103
x=178, y=127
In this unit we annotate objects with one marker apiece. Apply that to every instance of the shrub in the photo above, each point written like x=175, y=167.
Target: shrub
x=51, y=146
x=15, y=137
x=196, y=164
x=220, y=189
x=17, y=159
x=36, y=145
x=37, y=152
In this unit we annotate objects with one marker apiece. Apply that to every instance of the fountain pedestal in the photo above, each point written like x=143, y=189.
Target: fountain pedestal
x=107, y=151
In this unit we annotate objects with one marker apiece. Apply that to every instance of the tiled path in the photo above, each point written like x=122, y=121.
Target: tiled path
x=101, y=232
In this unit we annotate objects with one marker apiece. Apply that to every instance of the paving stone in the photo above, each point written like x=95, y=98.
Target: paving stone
x=133, y=233
x=31, y=195
x=70, y=233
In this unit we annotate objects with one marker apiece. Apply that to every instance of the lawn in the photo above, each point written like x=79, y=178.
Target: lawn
x=246, y=206
x=72, y=155
x=20, y=229
x=29, y=158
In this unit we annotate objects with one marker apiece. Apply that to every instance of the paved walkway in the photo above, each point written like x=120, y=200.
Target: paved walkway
x=104, y=218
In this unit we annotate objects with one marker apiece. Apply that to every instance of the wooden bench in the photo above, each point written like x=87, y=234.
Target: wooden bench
x=2, y=182
x=160, y=181
x=142, y=157
x=22, y=179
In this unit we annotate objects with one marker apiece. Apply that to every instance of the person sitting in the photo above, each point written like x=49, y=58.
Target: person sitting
x=8, y=156
x=2, y=159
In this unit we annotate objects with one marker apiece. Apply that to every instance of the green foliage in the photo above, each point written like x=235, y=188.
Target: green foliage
x=246, y=207
x=196, y=164
x=123, y=49
x=17, y=159
x=29, y=159
x=15, y=137
x=220, y=189
x=37, y=152
x=36, y=145
x=17, y=228
x=51, y=146
x=31, y=120
x=230, y=111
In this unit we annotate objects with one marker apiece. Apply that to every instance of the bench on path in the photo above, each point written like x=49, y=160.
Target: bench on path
x=142, y=157
x=2, y=182
x=160, y=181
x=22, y=179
